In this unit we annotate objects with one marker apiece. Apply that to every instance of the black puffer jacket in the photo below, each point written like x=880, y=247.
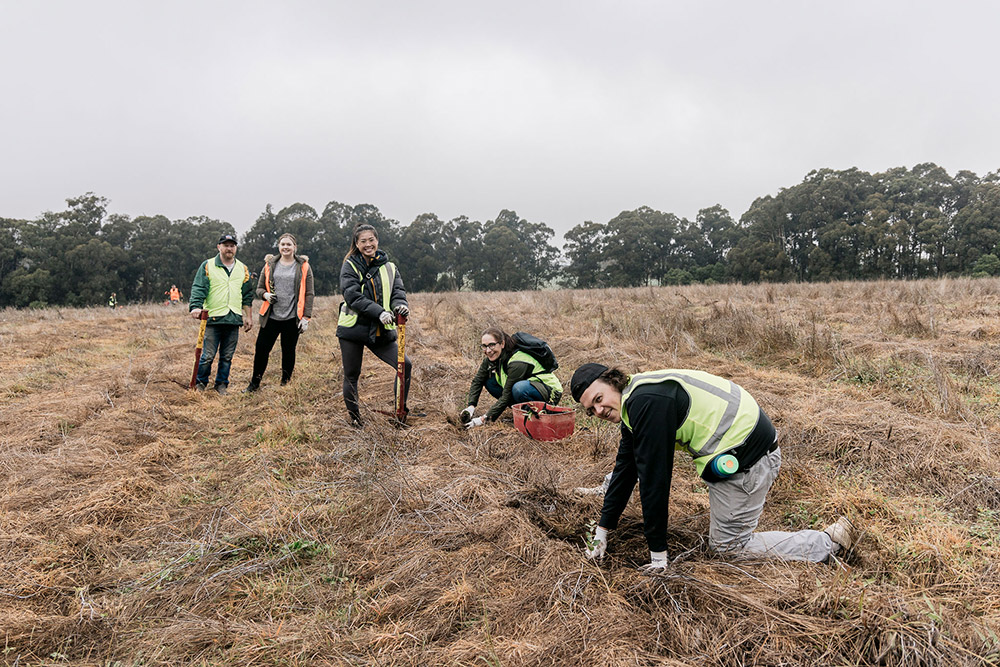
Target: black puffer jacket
x=361, y=285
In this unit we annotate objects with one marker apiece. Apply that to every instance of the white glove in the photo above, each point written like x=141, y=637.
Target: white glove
x=598, y=545
x=478, y=421
x=303, y=325
x=465, y=416
x=270, y=298
x=402, y=309
x=385, y=318
x=658, y=561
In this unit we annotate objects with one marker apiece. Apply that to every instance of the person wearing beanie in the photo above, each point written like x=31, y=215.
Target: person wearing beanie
x=734, y=447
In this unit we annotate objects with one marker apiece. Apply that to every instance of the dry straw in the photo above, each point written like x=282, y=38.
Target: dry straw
x=144, y=524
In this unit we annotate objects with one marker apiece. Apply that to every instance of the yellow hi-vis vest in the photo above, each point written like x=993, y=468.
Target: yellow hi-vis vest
x=387, y=274
x=225, y=290
x=537, y=372
x=721, y=414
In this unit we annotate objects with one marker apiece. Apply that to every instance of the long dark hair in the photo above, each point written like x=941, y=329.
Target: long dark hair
x=358, y=228
x=508, y=343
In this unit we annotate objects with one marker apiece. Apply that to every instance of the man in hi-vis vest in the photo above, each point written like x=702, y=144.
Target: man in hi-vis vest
x=735, y=450
x=222, y=286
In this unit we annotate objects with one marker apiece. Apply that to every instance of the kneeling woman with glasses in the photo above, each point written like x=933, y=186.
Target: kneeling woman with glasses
x=509, y=374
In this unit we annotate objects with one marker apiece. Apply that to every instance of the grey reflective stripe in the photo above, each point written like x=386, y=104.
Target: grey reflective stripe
x=732, y=399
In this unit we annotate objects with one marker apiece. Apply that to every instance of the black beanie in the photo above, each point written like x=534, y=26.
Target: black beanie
x=583, y=377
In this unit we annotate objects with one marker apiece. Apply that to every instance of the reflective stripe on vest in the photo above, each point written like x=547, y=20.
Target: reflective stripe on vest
x=225, y=290
x=268, y=287
x=721, y=414
x=387, y=274
x=537, y=372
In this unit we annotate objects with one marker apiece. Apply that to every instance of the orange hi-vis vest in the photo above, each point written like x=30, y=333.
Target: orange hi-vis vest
x=269, y=285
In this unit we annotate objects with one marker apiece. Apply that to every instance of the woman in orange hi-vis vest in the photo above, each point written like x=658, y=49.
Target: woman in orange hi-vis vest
x=286, y=288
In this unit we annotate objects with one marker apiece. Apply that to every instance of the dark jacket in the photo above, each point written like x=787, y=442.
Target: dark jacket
x=515, y=372
x=305, y=295
x=363, y=296
x=646, y=456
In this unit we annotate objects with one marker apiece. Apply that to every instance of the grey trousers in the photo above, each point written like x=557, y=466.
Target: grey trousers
x=736, y=505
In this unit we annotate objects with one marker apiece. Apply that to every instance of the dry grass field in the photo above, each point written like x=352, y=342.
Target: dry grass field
x=143, y=524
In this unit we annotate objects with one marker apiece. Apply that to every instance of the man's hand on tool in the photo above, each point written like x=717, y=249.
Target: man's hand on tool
x=385, y=318
x=270, y=298
x=598, y=545
x=303, y=325
x=465, y=416
x=473, y=423
x=401, y=309
x=196, y=313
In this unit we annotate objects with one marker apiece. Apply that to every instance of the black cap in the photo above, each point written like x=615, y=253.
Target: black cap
x=227, y=237
x=584, y=377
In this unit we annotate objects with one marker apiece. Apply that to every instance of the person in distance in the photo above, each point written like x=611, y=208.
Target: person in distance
x=735, y=450
x=373, y=295
x=285, y=287
x=511, y=374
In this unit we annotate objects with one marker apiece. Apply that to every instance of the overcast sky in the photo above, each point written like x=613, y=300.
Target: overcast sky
x=561, y=111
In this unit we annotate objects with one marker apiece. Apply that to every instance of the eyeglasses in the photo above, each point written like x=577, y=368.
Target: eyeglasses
x=488, y=346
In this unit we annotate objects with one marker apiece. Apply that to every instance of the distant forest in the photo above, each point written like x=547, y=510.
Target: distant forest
x=834, y=225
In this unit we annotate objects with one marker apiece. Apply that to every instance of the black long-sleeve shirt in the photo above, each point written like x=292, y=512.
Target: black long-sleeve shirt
x=646, y=455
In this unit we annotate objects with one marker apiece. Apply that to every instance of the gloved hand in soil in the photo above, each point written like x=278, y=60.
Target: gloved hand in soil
x=473, y=423
x=465, y=416
x=658, y=562
x=598, y=544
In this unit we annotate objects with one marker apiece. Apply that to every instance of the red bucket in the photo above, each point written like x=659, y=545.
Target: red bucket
x=541, y=421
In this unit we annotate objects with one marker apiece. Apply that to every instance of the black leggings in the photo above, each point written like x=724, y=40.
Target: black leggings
x=289, y=331
x=351, y=353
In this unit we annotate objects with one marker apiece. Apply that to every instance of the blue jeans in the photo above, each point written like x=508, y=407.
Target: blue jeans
x=522, y=391
x=221, y=338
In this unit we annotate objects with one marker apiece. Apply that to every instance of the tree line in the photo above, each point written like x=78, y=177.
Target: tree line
x=834, y=225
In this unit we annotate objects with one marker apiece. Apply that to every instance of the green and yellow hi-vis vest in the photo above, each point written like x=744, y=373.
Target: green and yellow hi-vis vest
x=387, y=275
x=537, y=372
x=225, y=290
x=721, y=414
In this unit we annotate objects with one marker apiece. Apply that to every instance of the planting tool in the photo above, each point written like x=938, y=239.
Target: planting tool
x=198, y=346
x=400, y=413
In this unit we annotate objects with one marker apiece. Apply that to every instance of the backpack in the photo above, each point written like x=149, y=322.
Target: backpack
x=537, y=348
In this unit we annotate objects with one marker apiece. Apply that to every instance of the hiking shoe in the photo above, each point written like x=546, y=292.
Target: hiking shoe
x=251, y=388
x=200, y=387
x=356, y=422
x=842, y=534
x=221, y=389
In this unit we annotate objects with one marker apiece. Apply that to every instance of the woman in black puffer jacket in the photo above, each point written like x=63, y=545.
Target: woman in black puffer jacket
x=373, y=295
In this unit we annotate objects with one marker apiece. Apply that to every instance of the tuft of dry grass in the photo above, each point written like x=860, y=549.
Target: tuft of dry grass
x=144, y=524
